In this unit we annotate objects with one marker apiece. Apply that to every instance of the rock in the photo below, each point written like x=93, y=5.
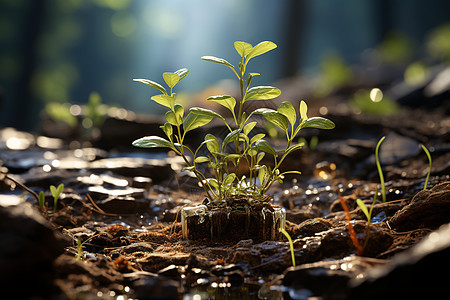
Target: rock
x=311, y=227
x=428, y=209
x=28, y=247
x=328, y=279
x=417, y=273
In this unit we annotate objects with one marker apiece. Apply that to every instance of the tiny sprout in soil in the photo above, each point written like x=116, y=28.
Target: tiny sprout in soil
x=239, y=146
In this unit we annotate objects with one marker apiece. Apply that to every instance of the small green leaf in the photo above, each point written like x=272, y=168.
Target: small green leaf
x=217, y=60
x=182, y=73
x=277, y=119
x=261, y=48
x=303, y=110
x=152, y=84
x=179, y=112
x=201, y=159
x=243, y=48
x=213, y=182
x=264, y=145
x=263, y=174
x=152, y=142
x=253, y=151
x=171, y=79
x=248, y=127
x=262, y=93
x=257, y=137
x=167, y=128
x=318, y=122
x=194, y=121
x=288, y=110
x=260, y=157
x=250, y=77
x=165, y=100
x=212, y=144
x=293, y=148
x=229, y=179
x=363, y=208
x=205, y=112
x=225, y=100
x=230, y=136
x=170, y=117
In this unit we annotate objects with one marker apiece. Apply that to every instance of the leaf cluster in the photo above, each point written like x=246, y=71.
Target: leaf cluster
x=246, y=146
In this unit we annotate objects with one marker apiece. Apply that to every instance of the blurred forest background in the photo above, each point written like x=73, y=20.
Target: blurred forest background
x=60, y=51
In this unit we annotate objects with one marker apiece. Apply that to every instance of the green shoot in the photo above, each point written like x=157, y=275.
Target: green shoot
x=429, y=162
x=55, y=193
x=291, y=245
x=380, y=172
x=368, y=214
x=41, y=200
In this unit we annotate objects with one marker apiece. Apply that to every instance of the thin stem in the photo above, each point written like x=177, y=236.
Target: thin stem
x=380, y=172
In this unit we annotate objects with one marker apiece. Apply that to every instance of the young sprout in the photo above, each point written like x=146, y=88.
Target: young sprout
x=291, y=245
x=41, y=200
x=429, y=162
x=55, y=193
x=380, y=172
x=368, y=214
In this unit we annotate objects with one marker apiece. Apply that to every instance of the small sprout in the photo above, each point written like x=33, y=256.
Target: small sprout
x=41, y=200
x=380, y=172
x=429, y=162
x=55, y=193
x=291, y=245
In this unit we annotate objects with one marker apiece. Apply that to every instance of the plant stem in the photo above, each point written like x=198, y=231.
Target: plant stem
x=380, y=172
x=430, y=163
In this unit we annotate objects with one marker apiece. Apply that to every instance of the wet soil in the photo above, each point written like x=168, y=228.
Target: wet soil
x=119, y=214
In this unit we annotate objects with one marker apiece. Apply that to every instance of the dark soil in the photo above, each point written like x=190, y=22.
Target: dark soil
x=124, y=209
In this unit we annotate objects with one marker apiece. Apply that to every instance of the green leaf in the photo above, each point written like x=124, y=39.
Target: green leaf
x=250, y=77
x=243, y=48
x=225, y=100
x=212, y=144
x=262, y=93
x=182, y=73
x=171, y=79
x=152, y=84
x=193, y=121
x=263, y=174
x=170, y=117
x=205, y=112
x=318, y=122
x=264, y=145
x=293, y=148
x=229, y=179
x=257, y=137
x=277, y=119
x=167, y=128
x=261, y=48
x=288, y=110
x=253, y=151
x=152, y=142
x=217, y=60
x=363, y=208
x=201, y=159
x=179, y=112
x=230, y=136
x=303, y=110
x=165, y=100
x=213, y=182
x=260, y=157
x=248, y=127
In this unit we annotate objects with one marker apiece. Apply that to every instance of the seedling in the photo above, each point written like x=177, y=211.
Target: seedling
x=380, y=172
x=429, y=162
x=359, y=248
x=222, y=158
x=291, y=245
x=55, y=193
x=41, y=200
x=368, y=214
